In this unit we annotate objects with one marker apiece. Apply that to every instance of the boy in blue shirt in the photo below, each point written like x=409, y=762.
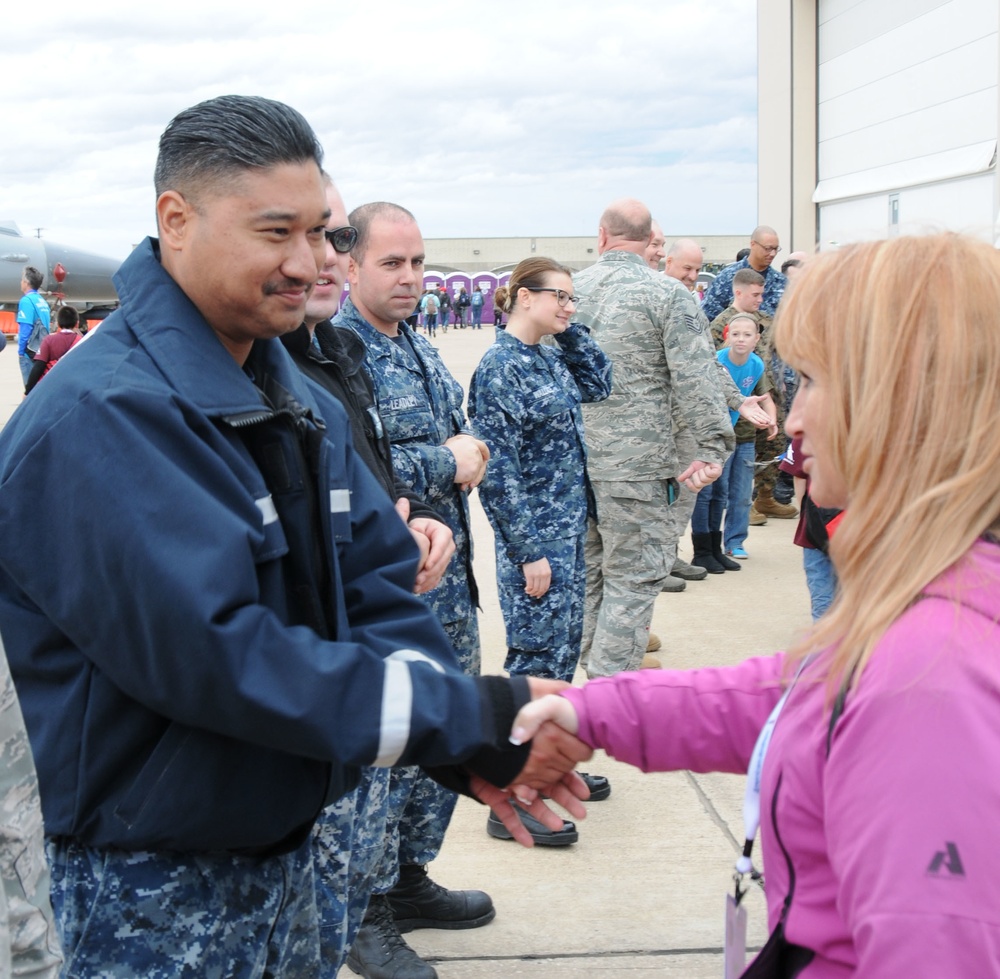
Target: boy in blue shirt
x=731, y=493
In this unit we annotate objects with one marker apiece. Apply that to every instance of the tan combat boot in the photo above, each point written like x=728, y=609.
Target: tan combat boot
x=767, y=505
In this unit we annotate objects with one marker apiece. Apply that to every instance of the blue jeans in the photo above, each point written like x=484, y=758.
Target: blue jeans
x=729, y=494
x=26, y=362
x=738, y=477
x=821, y=579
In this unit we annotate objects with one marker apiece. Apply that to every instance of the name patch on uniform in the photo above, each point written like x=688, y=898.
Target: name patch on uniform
x=398, y=404
x=340, y=501
x=266, y=507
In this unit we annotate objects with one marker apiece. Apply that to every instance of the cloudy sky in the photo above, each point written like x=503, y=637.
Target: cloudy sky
x=511, y=118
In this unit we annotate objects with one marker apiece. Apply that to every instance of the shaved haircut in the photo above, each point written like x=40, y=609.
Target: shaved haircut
x=362, y=218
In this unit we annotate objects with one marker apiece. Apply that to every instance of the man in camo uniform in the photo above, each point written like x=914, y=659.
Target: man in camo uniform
x=435, y=456
x=29, y=945
x=648, y=325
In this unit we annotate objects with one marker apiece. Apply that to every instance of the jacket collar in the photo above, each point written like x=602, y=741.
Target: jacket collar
x=176, y=337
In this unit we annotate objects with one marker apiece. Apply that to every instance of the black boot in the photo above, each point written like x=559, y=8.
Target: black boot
x=379, y=951
x=703, y=557
x=728, y=564
x=418, y=902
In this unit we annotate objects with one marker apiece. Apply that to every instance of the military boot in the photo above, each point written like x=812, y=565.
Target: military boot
x=380, y=952
x=419, y=902
x=770, y=507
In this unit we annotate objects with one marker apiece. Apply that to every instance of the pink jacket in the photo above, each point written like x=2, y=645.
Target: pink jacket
x=894, y=839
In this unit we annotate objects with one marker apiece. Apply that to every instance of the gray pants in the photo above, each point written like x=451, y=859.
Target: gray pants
x=626, y=567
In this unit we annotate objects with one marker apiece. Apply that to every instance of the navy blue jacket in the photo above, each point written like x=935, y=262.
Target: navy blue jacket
x=215, y=625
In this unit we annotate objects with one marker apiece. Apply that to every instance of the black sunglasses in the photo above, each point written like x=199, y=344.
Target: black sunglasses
x=343, y=239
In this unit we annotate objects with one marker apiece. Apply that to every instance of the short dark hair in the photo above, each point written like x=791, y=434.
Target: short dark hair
x=363, y=216
x=228, y=134
x=748, y=277
x=67, y=318
x=742, y=254
x=790, y=263
x=32, y=276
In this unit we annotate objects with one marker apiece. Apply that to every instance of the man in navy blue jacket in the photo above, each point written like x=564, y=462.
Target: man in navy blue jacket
x=232, y=631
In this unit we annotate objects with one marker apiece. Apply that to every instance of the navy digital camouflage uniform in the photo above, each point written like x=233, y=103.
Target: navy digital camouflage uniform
x=720, y=292
x=648, y=325
x=348, y=844
x=29, y=945
x=524, y=402
x=420, y=404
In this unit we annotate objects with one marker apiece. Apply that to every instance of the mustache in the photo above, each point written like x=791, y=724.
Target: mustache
x=286, y=285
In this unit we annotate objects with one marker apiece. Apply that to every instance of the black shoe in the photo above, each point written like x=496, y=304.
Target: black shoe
x=727, y=563
x=540, y=833
x=379, y=951
x=419, y=902
x=600, y=787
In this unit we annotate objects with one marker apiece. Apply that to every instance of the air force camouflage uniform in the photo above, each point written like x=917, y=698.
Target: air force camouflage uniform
x=420, y=404
x=524, y=402
x=29, y=945
x=649, y=326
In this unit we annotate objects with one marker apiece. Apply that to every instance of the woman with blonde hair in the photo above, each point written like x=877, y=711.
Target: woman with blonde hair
x=879, y=734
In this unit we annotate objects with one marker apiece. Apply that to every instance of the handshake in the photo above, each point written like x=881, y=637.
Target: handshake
x=550, y=722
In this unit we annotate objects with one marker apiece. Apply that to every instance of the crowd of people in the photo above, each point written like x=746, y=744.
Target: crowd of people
x=246, y=649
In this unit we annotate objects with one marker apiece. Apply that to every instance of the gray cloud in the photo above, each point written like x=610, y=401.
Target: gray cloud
x=528, y=124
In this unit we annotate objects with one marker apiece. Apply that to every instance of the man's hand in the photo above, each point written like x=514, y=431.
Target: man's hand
x=537, y=577
x=700, y=474
x=421, y=540
x=442, y=547
x=471, y=456
x=554, y=753
x=753, y=413
x=566, y=793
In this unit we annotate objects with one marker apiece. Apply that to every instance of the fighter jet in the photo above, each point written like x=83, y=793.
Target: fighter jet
x=72, y=276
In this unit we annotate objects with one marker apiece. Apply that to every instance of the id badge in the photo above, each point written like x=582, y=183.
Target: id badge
x=736, y=938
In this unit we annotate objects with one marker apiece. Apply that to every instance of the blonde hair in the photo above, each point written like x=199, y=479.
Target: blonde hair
x=905, y=334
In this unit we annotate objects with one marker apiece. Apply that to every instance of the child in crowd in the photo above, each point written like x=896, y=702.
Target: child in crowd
x=55, y=345
x=732, y=492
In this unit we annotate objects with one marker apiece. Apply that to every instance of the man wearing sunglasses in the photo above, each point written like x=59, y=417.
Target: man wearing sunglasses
x=764, y=249
x=349, y=836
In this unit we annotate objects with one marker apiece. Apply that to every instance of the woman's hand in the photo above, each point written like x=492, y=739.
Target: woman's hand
x=533, y=715
x=537, y=577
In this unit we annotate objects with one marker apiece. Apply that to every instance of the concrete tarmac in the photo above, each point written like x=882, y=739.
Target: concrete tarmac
x=642, y=893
